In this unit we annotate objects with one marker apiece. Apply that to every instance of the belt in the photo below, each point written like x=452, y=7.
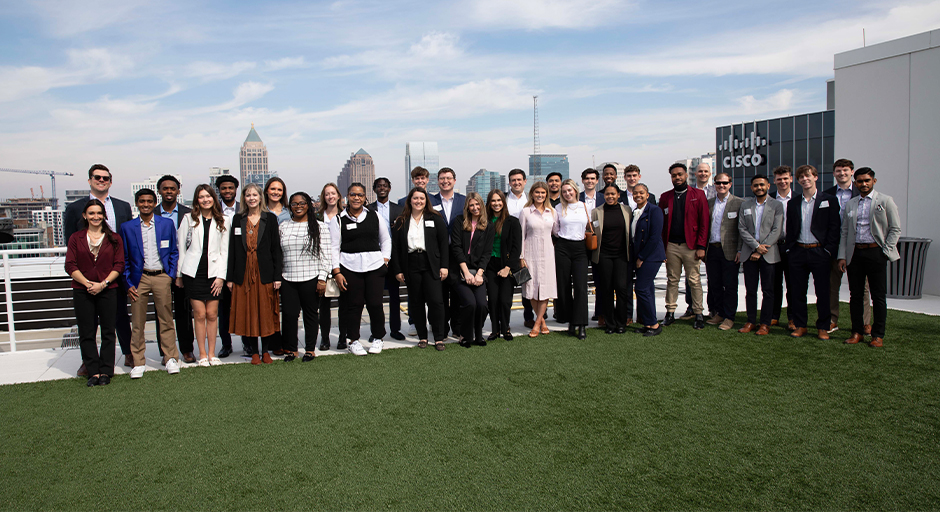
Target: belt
x=416, y=251
x=866, y=246
x=715, y=244
x=809, y=246
x=152, y=272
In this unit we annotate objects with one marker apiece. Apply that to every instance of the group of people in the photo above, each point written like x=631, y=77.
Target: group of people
x=252, y=266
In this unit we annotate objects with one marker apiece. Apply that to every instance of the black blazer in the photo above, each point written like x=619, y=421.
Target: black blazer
x=832, y=191
x=270, y=258
x=510, y=242
x=72, y=221
x=182, y=210
x=826, y=226
x=481, y=247
x=394, y=211
x=435, y=242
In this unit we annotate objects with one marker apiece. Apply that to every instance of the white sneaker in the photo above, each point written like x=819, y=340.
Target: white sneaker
x=138, y=372
x=376, y=347
x=215, y=361
x=356, y=348
x=172, y=366
x=412, y=330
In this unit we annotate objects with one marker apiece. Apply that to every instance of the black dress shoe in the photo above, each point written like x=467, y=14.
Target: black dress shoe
x=610, y=330
x=507, y=336
x=493, y=336
x=92, y=381
x=464, y=343
x=397, y=336
x=621, y=330
x=669, y=320
x=654, y=332
x=308, y=357
x=289, y=357
x=225, y=352
x=104, y=380
x=640, y=330
x=582, y=332
x=480, y=342
x=699, y=322
x=341, y=344
x=325, y=345
x=571, y=331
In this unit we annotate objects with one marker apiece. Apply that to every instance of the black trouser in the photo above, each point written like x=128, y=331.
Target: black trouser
x=803, y=262
x=613, y=277
x=326, y=320
x=722, y=276
x=758, y=272
x=424, y=287
x=252, y=343
x=394, y=302
x=297, y=296
x=499, y=291
x=225, y=309
x=92, y=311
x=870, y=264
x=122, y=322
x=781, y=277
x=363, y=289
x=571, y=268
x=473, y=310
x=451, y=306
x=598, y=302
x=183, y=315
x=527, y=314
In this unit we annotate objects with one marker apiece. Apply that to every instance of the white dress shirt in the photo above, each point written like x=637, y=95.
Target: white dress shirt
x=416, y=235
x=228, y=211
x=630, y=200
x=148, y=235
x=806, y=229
x=714, y=234
x=591, y=201
x=784, y=199
x=448, y=206
x=571, y=222
x=359, y=261
x=515, y=204
x=636, y=218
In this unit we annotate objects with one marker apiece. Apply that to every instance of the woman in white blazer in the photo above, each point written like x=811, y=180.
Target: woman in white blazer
x=203, y=242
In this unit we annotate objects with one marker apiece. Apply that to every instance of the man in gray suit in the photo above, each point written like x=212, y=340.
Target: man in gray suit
x=760, y=225
x=869, y=241
x=723, y=254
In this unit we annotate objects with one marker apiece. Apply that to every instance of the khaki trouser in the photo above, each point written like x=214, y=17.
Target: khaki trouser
x=679, y=256
x=159, y=287
x=835, y=282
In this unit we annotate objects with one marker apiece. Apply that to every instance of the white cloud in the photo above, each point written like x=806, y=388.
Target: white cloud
x=285, y=63
x=208, y=71
x=67, y=18
x=436, y=45
x=539, y=14
x=92, y=65
x=778, y=102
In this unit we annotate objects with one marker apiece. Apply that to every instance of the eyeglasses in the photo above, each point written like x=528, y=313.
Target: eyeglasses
x=722, y=183
x=355, y=194
x=297, y=205
x=98, y=177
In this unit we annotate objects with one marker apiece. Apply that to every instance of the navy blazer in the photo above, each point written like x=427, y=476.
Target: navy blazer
x=826, y=225
x=435, y=244
x=832, y=190
x=394, y=211
x=647, y=241
x=623, y=198
x=456, y=211
x=134, y=248
x=72, y=221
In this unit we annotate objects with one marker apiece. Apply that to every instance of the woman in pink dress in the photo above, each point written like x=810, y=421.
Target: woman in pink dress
x=538, y=254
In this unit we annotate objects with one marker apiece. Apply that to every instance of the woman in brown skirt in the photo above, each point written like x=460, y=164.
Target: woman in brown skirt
x=254, y=273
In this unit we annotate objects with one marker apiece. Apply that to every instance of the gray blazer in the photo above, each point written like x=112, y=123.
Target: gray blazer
x=730, y=237
x=885, y=226
x=771, y=226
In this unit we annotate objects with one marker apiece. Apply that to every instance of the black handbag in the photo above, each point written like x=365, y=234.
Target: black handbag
x=522, y=276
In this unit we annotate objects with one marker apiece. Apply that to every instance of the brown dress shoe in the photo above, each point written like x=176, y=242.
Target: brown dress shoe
x=876, y=342
x=82, y=371
x=853, y=339
x=823, y=334
x=726, y=325
x=600, y=321
x=266, y=358
x=791, y=326
x=833, y=327
x=255, y=359
x=867, y=330
x=189, y=358
x=715, y=320
x=799, y=332
x=748, y=327
x=763, y=330
x=774, y=322
x=129, y=360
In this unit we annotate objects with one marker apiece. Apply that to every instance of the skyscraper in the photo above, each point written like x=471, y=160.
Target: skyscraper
x=422, y=154
x=253, y=160
x=359, y=168
x=151, y=183
x=549, y=164
x=483, y=181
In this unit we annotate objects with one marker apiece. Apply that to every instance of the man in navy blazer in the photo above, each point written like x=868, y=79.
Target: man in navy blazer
x=450, y=205
x=811, y=250
x=118, y=212
x=150, y=259
x=844, y=190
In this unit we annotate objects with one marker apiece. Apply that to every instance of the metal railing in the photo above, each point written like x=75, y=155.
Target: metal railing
x=37, y=298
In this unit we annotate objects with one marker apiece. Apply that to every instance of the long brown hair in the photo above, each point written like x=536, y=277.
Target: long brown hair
x=467, y=216
x=104, y=225
x=407, y=211
x=216, y=208
x=339, y=202
x=502, y=215
x=283, y=200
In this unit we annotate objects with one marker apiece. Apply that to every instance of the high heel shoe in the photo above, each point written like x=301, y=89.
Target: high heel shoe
x=545, y=327
x=535, y=329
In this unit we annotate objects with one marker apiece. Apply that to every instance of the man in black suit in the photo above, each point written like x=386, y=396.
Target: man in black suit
x=169, y=188
x=813, y=231
x=228, y=192
x=118, y=212
x=843, y=170
x=631, y=174
x=389, y=211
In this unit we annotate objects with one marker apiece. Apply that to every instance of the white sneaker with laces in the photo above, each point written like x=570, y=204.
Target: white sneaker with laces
x=138, y=372
x=412, y=330
x=355, y=348
x=376, y=347
x=172, y=366
x=215, y=361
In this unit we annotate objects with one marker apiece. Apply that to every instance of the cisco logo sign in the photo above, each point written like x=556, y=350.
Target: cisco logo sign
x=750, y=146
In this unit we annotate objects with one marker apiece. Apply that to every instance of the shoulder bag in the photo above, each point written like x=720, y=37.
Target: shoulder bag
x=590, y=238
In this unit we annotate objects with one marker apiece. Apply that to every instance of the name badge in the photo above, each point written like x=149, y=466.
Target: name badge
x=164, y=244
x=747, y=211
x=665, y=211
x=732, y=215
x=851, y=213
x=351, y=226
x=238, y=231
x=597, y=223
x=824, y=204
x=439, y=207
x=429, y=223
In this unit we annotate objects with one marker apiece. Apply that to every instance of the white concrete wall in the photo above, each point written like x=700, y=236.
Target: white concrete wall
x=888, y=118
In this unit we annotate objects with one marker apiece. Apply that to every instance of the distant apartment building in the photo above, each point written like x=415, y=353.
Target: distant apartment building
x=21, y=209
x=541, y=166
x=47, y=218
x=693, y=163
x=253, y=160
x=26, y=238
x=421, y=154
x=150, y=183
x=483, y=181
x=215, y=173
x=621, y=181
x=359, y=168
x=74, y=195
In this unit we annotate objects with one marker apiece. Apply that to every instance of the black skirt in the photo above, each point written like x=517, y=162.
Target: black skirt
x=200, y=287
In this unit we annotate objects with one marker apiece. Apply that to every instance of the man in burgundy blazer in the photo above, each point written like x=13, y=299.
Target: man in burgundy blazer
x=685, y=236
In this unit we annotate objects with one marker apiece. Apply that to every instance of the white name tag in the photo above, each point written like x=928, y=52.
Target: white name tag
x=597, y=223
x=824, y=204
x=438, y=207
x=238, y=231
x=747, y=211
x=732, y=215
x=351, y=226
x=164, y=244
x=851, y=213
x=665, y=211
x=429, y=223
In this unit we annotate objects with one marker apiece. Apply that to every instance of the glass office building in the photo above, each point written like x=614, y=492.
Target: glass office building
x=423, y=154
x=757, y=147
x=541, y=166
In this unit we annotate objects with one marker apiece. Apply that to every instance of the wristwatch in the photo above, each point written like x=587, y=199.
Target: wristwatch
x=107, y=283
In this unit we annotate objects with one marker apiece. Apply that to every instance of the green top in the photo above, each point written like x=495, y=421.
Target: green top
x=496, y=247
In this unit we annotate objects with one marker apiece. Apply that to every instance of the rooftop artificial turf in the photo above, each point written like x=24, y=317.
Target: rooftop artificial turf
x=687, y=420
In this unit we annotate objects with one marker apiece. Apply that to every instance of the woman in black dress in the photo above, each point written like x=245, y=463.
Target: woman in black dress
x=507, y=245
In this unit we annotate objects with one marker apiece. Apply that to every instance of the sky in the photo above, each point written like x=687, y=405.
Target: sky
x=150, y=87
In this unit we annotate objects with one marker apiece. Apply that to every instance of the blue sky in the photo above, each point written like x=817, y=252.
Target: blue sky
x=162, y=86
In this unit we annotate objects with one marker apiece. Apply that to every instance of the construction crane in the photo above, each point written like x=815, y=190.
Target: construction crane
x=51, y=174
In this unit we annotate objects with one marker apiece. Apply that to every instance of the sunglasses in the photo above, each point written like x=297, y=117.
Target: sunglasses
x=722, y=183
x=98, y=177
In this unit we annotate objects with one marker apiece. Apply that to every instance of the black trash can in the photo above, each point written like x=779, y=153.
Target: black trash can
x=906, y=276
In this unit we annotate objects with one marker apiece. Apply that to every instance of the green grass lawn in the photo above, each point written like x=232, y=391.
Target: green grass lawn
x=687, y=420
